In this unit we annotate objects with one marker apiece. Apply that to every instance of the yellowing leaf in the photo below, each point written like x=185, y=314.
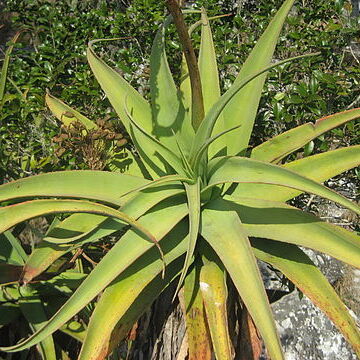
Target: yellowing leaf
x=234, y=250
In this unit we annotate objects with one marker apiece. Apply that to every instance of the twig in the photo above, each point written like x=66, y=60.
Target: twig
x=353, y=54
x=94, y=263
x=76, y=255
x=353, y=103
x=310, y=201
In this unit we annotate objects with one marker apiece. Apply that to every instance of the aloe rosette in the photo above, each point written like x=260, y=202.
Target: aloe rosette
x=197, y=209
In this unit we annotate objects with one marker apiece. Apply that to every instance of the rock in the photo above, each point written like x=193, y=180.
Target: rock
x=355, y=8
x=306, y=333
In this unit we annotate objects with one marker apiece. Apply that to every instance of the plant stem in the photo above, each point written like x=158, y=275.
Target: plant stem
x=197, y=108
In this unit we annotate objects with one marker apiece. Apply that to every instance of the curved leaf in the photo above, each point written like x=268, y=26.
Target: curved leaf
x=161, y=181
x=133, y=292
x=278, y=147
x=278, y=221
x=318, y=167
x=166, y=153
x=187, y=131
x=198, y=157
x=207, y=125
x=42, y=257
x=124, y=253
x=233, y=248
x=14, y=214
x=79, y=226
x=89, y=184
x=244, y=170
x=88, y=228
x=205, y=56
x=297, y=266
x=117, y=89
x=11, y=251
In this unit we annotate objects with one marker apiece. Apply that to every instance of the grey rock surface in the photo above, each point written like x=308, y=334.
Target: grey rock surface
x=306, y=333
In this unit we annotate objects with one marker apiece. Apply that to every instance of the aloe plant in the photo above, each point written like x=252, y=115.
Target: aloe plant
x=200, y=206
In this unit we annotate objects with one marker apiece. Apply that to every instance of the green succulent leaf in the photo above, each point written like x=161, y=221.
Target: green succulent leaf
x=32, y=308
x=242, y=109
x=319, y=167
x=297, y=267
x=284, y=144
x=170, y=157
x=85, y=228
x=117, y=90
x=42, y=257
x=244, y=170
x=207, y=125
x=185, y=162
x=75, y=228
x=194, y=204
x=168, y=111
x=160, y=181
x=209, y=76
x=79, y=226
x=11, y=251
x=234, y=250
x=205, y=146
x=281, y=222
x=27, y=210
x=89, y=184
x=124, y=253
x=67, y=114
x=133, y=292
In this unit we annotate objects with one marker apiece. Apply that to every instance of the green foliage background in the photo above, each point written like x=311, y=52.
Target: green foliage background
x=51, y=55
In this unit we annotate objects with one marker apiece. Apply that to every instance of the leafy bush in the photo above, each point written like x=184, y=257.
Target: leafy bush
x=52, y=55
x=196, y=206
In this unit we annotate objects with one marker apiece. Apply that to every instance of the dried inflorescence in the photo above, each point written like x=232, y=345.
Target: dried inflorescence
x=90, y=146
